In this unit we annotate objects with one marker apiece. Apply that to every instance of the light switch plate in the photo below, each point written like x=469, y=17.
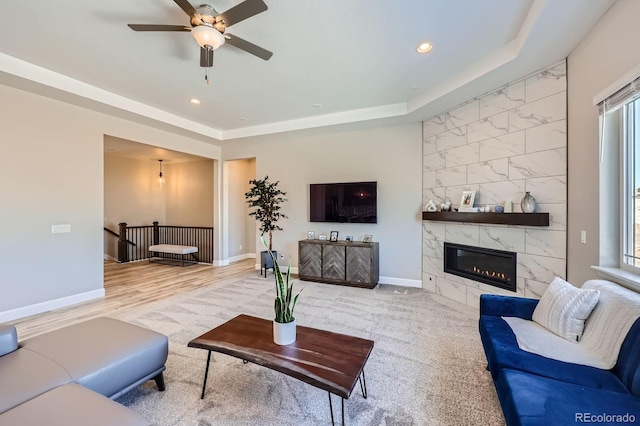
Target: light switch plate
x=61, y=229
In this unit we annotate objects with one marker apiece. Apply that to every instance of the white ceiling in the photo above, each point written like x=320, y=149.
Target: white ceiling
x=356, y=58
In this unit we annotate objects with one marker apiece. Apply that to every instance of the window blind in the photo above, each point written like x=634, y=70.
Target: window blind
x=628, y=93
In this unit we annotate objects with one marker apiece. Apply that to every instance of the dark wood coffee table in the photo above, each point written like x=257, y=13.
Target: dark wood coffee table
x=330, y=361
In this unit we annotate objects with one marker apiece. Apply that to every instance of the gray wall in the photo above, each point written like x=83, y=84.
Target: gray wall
x=608, y=52
x=389, y=155
x=48, y=177
x=241, y=226
x=189, y=193
x=131, y=192
x=53, y=174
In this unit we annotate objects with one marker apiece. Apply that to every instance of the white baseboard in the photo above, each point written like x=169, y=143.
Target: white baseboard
x=242, y=257
x=232, y=259
x=50, y=305
x=400, y=281
x=382, y=280
x=111, y=258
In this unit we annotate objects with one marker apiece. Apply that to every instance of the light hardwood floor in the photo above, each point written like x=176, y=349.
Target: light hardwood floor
x=130, y=285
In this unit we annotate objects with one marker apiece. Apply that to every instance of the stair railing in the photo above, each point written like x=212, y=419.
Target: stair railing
x=142, y=237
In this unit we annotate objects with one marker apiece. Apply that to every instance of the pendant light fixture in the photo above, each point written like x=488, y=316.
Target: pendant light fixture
x=160, y=177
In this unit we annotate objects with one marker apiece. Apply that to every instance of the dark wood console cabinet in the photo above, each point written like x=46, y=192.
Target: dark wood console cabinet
x=354, y=264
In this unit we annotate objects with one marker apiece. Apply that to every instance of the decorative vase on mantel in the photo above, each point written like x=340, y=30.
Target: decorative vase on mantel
x=284, y=333
x=528, y=203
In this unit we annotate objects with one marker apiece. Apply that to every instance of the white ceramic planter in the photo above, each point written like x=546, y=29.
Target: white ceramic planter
x=284, y=334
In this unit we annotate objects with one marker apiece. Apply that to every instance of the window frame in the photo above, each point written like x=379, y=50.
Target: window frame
x=628, y=139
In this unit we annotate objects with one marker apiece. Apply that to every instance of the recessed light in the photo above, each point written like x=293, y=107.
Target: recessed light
x=317, y=105
x=195, y=101
x=424, y=47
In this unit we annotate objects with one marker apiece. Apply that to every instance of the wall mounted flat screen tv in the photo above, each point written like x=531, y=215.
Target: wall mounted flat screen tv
x=353, y=202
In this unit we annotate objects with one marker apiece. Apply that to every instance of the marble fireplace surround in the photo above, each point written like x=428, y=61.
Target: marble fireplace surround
x=500, y=144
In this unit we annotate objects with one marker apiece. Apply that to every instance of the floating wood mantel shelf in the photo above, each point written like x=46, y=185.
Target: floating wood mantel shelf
x=526, y=219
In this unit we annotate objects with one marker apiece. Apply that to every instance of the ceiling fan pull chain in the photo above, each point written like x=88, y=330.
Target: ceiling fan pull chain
x=206, y=76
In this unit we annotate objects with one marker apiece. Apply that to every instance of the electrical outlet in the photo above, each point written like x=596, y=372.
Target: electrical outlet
x=583, y=237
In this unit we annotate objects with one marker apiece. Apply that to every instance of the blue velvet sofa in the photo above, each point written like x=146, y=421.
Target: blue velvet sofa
x=535, y=390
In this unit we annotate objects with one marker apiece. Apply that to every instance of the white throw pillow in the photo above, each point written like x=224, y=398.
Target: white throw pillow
x=563, y=309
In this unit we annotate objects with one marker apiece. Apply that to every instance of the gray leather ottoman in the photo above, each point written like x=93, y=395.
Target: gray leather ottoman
x=71, y=405
x=106, y=355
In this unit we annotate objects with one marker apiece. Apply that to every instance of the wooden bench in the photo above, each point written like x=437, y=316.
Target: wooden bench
x=174, y=249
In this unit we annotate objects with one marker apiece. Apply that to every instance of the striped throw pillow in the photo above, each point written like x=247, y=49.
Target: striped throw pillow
x=563, y=309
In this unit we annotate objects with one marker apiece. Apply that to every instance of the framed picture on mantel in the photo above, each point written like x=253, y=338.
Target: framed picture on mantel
x=468, y=197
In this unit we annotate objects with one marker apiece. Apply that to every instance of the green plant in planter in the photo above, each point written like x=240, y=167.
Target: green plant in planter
x=285, y=302
x=266, y=198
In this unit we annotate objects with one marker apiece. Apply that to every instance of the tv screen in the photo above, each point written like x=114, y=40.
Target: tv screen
x=355, y=202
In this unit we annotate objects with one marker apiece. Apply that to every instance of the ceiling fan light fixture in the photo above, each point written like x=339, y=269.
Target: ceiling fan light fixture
x=207, y=36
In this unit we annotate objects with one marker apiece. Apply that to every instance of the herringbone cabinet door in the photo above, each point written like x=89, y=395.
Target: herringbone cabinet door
x=333, y=264
x=359, y=264
x=310, y=259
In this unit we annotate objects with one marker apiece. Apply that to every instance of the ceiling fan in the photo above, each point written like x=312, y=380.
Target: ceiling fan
x=208, y=28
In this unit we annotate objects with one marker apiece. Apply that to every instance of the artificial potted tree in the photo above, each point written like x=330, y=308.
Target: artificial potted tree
x=266, y=198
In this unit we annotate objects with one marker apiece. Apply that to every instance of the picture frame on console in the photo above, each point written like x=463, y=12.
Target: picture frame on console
x=368, y=238
x=333, y=236
x=322, y=237
x=311, y=235
x=349, y=238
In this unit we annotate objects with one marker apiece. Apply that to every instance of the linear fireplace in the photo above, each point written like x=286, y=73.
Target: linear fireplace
x=494, y=267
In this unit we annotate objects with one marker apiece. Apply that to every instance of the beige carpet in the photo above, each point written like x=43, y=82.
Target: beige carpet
x=427, y=366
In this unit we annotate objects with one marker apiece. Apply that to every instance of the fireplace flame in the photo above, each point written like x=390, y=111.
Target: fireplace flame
x=490, y=274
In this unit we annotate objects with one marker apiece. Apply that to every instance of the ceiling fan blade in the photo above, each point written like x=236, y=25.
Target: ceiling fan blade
x=244, y=10
x=151, y=27
x=248, y=47
x=206, y=57
x=188, y=8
